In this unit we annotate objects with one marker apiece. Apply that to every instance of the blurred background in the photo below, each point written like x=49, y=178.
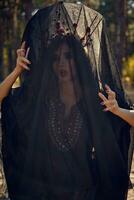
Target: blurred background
x=119, y=15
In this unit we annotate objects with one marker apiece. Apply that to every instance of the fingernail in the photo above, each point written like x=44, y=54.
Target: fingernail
x=105, y=110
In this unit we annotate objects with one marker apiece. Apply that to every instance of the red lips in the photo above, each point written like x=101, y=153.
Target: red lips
x=63, y=72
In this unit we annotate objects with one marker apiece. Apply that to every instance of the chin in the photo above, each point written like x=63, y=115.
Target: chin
x=65, y=79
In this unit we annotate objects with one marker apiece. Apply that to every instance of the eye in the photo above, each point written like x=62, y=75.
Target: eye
x=68, y=55
x=55, y=57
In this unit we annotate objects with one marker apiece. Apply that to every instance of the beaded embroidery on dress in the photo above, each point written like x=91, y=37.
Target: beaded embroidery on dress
x=64, y=131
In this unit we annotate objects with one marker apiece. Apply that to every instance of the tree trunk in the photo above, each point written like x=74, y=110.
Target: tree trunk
x=28, y=8
x=121, y=30
x=1, y=49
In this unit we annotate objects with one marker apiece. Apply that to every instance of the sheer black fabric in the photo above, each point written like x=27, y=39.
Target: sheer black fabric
x=57, y=142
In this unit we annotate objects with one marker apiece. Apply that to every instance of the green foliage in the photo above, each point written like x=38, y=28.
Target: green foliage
x=128, y=70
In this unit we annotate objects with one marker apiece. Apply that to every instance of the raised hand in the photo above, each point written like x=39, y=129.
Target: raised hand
x=22, y=61
x=110, y=101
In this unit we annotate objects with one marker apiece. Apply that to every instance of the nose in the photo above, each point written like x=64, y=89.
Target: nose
x=61, y=61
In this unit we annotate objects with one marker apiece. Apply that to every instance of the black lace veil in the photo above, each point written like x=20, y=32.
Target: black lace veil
x=57, y=141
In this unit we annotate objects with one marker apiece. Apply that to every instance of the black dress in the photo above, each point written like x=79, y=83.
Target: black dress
x=70, y=154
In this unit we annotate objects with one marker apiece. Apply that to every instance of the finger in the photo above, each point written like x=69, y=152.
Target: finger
x=102, y=96
x=107, y=87
x=111, y=94
x=108, y=103
x=20, y=52
x=111, y=108
x=23, y=59
x=27, y=52
x=24, y=66
x=23, y=45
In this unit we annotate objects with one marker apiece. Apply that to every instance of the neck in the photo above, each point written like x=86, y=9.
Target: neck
x=69, y=92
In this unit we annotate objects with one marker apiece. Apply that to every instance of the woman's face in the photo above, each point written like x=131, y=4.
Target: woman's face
x=64, y=65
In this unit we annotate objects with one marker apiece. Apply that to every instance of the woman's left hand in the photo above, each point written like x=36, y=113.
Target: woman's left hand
x=110, y=102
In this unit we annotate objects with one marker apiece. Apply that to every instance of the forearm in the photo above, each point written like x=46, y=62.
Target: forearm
x=6, y=85
x=127, y=115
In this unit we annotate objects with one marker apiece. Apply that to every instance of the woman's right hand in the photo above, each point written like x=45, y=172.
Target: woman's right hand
x=22, y=62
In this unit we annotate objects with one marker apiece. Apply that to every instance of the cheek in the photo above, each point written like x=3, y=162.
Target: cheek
x=55, y=68
x=73, y=68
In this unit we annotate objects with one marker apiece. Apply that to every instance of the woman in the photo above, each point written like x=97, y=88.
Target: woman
x=21, y=64
x=52, y=148
x=57, y=142
x=111, y=105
